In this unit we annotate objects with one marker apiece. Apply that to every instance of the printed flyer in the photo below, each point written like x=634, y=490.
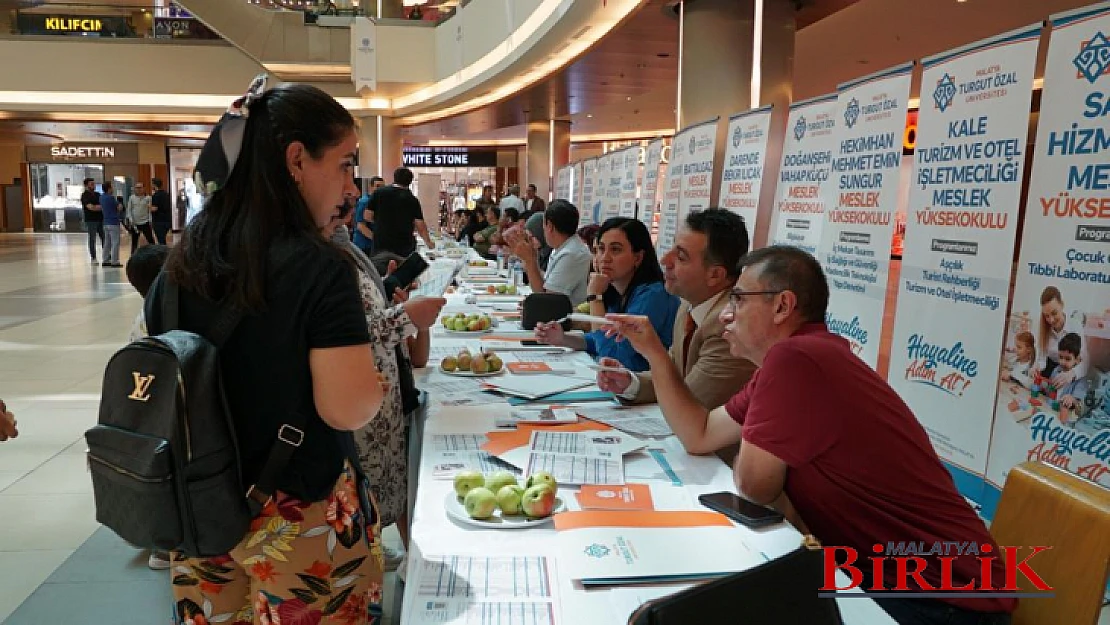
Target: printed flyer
x=648, y=199
x=698, y=144
x=962, y=218
x=803, y=174
x=587, y=201
x=861, y=199
x=672, y=193
x=745, y=156
x=630, y=167
x=1053, y=402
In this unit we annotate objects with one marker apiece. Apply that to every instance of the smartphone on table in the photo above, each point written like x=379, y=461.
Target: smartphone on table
x=741, y=510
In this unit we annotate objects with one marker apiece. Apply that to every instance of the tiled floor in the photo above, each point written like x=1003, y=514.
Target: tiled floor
x=60, y=320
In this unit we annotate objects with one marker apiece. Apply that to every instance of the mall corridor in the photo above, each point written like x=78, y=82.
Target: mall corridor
x=61, y=318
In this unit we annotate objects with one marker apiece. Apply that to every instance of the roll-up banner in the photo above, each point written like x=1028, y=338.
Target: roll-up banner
x=698, y=144
x=745, y=155
x=806, y=160
x=630, y=168
x=587, y=211
x=648, y=201
x=576, y=184
x=959, y=249
x=614, y=178
x=671, y=193
x=562, y=183
x=364, y=56
x=1053, y=402
x=601, y=179
x=860, y=201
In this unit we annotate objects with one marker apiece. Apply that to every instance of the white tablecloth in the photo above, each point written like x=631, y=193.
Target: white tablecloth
x=433, y=533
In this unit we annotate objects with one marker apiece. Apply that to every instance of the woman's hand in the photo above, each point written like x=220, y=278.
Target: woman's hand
x=424, y=310
x=550, y=333
x=599, y=283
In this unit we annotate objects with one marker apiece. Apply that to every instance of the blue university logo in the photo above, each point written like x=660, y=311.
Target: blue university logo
x=800, y=128
x=597, y=550
x=737, y=137
x=945, y=92
x=693, y=144
x=851, y=114
x=1093, y=60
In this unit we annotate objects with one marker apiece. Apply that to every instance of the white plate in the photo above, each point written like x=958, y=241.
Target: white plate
x=467, y=332
x=456, y=511
x=471, y=374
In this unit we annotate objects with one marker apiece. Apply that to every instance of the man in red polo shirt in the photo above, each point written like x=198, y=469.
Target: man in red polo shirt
x=820, y=428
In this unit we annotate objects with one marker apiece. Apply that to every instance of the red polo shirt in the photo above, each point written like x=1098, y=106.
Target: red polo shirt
x=861, y=469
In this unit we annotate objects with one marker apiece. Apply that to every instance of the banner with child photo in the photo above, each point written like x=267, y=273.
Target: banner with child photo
x=1053, y=402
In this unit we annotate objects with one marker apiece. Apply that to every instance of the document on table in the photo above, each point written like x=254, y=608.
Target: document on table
x=639, y=420
x=446, y=464
x=458, y=442
x=448, y=391
x=577, y=457
x=483, y=590
x=634, y=547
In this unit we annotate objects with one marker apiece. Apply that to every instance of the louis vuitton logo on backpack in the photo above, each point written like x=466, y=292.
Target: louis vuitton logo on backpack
x=142, y=385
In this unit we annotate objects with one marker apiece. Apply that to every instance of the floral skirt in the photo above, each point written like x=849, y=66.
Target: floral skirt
x=307, y=563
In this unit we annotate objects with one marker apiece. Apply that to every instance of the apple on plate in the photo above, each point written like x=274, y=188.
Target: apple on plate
x=450, y=363
x=542, y=478
x=494, y=481
x=538, y=501
x=495, y=363
x=509, y=498
x=466, y=481
x=502, y=289
x=480, y=503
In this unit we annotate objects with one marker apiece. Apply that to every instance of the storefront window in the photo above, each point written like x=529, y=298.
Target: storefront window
x=187, y=200
x=56, y=193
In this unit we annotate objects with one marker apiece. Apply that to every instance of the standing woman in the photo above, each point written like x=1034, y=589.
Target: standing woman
x=279, y=167
x=629, y=281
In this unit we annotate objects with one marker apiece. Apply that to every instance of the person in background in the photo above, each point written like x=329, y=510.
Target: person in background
x=483, y=239
x=588, y=234
x=394, y=213
x=258, y=245
x=532, y=203
x=512, y=200
x=161, y=211
x=381, y=444
x=182, y=206
x=700, y=268
x=825, y=439
x=483, y=203
x=8, y=423
x=629, y=282
x=568, y=265
x=364, y=234
x=476, y=222
x=139, y=216
x=535, y=230
x=94, y=217
x=510, y=222
x=109, y=206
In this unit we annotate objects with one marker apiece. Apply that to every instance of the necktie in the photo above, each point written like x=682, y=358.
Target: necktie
x=691, y=326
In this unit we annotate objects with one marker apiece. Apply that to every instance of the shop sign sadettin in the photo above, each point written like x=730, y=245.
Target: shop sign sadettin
x=70, y=153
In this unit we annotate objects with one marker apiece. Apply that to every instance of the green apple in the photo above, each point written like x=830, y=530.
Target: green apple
x=538, y=501
x=542, y=478
x=495, y=481
x=502, y=288
x=460, y=315
x=450, y=363
x=466, y=481
x=495, y=363
x=461, y=325
x=479, y=365
x=511, y=290
x=475, y=326
x=464, y=361
x=509, y=498
x=446, y=321
x=584, y=307
x=480, y=503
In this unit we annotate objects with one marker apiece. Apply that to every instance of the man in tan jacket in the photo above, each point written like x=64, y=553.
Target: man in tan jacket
x=700, y=268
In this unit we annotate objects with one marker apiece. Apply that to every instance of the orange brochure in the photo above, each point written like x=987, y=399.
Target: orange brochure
x=627, y=497
x=583, y=425
x=637, y=518
x=502, y=441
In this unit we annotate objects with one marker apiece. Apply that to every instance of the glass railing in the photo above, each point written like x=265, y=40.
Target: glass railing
x=433, y=11
x=112, y=21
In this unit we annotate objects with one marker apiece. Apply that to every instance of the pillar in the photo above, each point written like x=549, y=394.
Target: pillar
x=717, y=60
x=548, y=149
x=372, y=159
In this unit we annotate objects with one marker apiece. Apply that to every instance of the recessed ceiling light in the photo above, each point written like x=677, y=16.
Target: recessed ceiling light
x=629, y=98
x=589, y=114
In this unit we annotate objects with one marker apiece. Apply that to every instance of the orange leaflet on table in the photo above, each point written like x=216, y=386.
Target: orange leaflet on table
x=627, y=497
x=501, y=442
x=638, y=518
x=528, y=367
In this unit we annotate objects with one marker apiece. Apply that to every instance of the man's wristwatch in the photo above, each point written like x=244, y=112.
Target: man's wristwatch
x=592, y=298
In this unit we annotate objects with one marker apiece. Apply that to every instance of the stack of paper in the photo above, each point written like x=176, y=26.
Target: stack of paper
x=534, y=386
x=635, y=547
x=478, y=590
x=639, y=420
x=580, y=457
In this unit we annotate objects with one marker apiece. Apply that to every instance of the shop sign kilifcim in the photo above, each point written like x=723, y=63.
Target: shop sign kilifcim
x=98, y=25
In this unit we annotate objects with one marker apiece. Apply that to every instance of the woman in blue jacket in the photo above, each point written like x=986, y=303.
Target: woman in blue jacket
x=628, y=281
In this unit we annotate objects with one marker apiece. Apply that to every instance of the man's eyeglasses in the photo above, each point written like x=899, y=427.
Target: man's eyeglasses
x=735, y=295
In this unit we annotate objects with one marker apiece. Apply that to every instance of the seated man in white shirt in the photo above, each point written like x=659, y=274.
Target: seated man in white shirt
x=568, y=267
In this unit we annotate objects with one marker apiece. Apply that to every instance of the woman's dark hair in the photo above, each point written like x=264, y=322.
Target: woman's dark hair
x=648, y=271
x=496, y=212
x=224, y=251
x=513, y=214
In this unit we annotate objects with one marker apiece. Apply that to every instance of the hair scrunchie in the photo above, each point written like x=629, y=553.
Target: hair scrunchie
x=221, y=149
